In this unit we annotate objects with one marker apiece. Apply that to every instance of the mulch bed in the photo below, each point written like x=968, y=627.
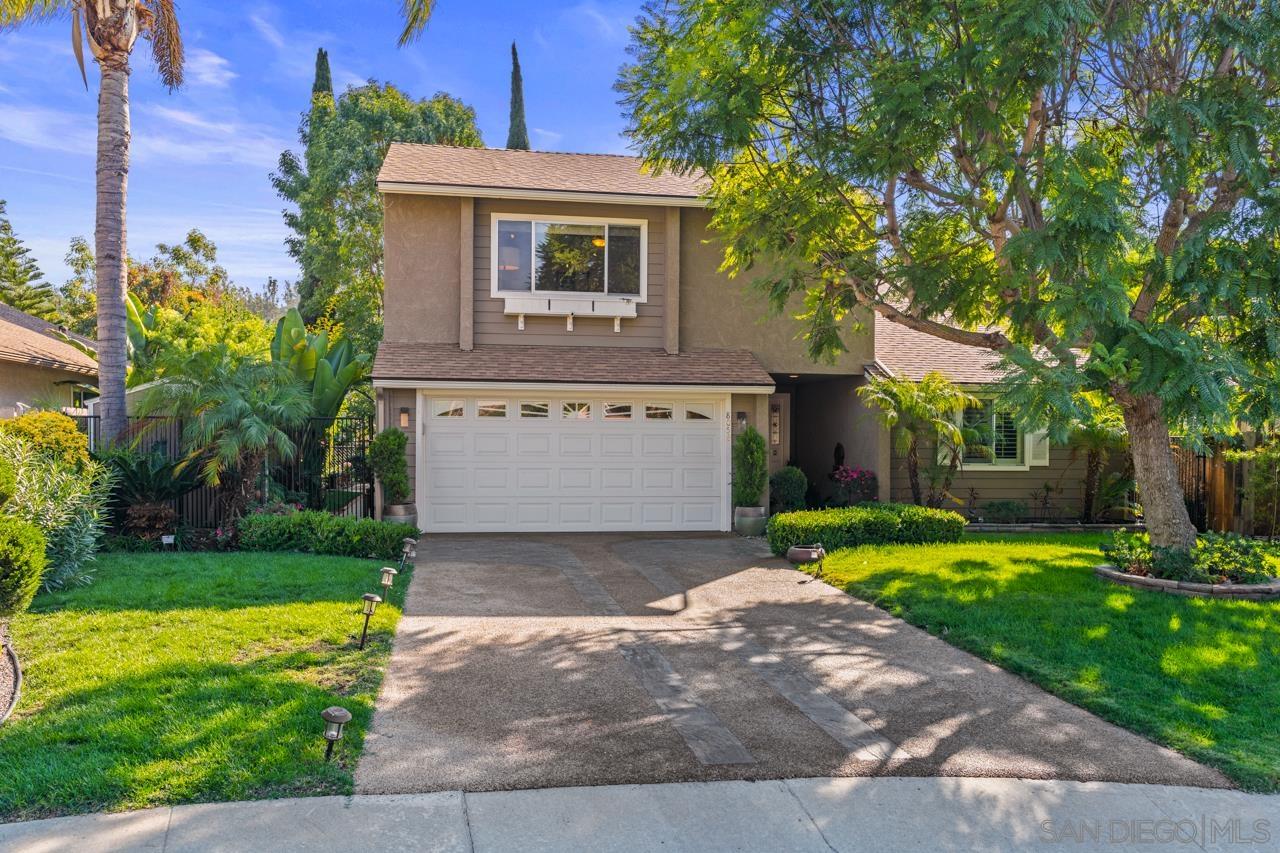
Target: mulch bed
x=8, y=678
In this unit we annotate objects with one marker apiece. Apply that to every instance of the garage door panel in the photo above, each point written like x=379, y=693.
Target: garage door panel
x=575, y=473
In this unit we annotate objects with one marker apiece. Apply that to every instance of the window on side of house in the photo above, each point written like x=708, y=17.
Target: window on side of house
x=581, y=256
x=998, y=441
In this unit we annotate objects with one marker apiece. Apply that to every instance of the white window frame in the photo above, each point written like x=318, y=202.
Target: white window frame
x=533, y=219
x=1028, y=442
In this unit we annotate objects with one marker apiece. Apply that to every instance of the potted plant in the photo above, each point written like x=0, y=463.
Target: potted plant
x=386, y=457
x=750, y=473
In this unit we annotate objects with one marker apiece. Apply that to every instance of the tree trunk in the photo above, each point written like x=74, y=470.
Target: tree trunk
x=913, y=471
x=1163, y=505
x=110, y=249
x=1092, y=480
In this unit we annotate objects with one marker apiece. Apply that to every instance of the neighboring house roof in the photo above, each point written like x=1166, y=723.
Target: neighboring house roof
x=572, y=365
x=909, y=354
x=508, y=173
x=25, y=339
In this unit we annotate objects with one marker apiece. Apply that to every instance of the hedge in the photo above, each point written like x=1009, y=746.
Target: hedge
x=321, y=533
x=22, y=563
x=866, y=524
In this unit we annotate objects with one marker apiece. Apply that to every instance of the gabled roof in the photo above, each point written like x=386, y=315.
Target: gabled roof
x=507, y=173
x=25, y=339
x=509, y=364
x=910, y=355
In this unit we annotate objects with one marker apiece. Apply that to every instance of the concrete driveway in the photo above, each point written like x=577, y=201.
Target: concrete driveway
x=544, y=661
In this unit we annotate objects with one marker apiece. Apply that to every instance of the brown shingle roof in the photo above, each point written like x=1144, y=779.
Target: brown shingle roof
x=547, y=171
x=911, y=354
x=576, y=365
x=29, y=340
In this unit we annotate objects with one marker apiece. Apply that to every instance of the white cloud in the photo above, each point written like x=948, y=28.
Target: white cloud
x=185, y=136
x=267, y=30
x=206, y=68
x=48, y=129
x=547, y=138
x=608, y=27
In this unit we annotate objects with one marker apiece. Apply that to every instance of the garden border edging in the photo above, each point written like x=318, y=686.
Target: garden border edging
x=1238, y=591
x=17, y=681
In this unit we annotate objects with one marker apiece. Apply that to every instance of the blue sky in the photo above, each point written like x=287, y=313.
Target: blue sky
x=202, y=155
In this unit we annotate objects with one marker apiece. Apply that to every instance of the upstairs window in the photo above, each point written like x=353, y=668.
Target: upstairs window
x=581, y=256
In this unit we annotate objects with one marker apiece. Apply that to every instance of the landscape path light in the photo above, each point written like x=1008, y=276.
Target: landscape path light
x=334, y=719
x=371, y=602
x=407, y=546
x=388, y=578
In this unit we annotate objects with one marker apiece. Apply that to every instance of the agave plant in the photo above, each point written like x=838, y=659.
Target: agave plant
x=328, y=369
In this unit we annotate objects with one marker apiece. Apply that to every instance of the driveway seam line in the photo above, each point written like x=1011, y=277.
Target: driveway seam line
x=786, y=783
x=466, y=822
x=168, y=826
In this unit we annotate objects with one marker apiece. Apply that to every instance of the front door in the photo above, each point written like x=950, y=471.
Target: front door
x=779, y=437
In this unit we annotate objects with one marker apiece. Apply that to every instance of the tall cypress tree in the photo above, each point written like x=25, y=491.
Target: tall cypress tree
x=518, y=134
x=22, y=285
x=323, y=84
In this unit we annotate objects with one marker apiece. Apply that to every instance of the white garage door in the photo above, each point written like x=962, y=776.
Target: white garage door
x=573, y=463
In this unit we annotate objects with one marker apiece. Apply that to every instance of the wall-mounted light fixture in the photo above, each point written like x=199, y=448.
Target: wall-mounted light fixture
x=404, y=417
x=742, y=421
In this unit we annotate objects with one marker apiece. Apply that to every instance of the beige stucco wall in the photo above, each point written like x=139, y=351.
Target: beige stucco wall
x=722, y=313
x=27, y=384
x=492, y=326
x=422, y=244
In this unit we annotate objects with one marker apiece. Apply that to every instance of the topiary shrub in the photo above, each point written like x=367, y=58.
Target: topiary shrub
x=22, y=563
x=869, y=524
x=386, y=457
x=52, y=434
x=787, y=488
x=750, y=467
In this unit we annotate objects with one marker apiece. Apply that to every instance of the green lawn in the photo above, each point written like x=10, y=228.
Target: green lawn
x=1198, y=675
x=191, y=677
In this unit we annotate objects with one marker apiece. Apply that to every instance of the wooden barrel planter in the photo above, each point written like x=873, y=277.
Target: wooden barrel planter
x=1228, y=591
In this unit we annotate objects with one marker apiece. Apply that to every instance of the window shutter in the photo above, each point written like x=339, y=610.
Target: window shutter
x=1037, y=449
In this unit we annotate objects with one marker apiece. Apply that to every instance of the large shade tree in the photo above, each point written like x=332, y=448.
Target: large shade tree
x=1086, y=187
x=111, y=28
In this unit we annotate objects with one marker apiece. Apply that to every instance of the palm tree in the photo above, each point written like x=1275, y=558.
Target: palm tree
x=926, y=411
x=1098, y=434
x=111, y=28
x=416, y=14
x=239, y=411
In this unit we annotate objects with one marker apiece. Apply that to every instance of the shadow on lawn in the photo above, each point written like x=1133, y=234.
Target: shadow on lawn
x=189, y=733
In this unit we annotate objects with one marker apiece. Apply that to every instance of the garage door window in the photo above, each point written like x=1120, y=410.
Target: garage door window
x=576, y=411
x=534, y=410
x=448, y=408
x=657, y=412
x=694, y=412
x=491, y=409
x=617, y=411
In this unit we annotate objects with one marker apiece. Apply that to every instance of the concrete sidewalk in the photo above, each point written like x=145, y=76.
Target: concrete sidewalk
x=821, y=815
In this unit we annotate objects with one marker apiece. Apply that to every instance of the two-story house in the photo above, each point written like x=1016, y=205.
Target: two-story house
x=565, y=355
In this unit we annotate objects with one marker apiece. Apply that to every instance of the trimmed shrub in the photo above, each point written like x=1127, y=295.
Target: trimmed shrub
x=22, y=563
x=1216, y=558
x=386, y=457
x=750, y=467
x=321, y=533
x=8, y=481
x=787, y=488
x=1005, y=512
x=51, y=433
x=868, y=524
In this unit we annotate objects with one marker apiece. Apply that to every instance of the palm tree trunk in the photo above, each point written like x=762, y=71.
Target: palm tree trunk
x=1092, y=480
x=1164, y=507
x=913, y=471
x=110, y=248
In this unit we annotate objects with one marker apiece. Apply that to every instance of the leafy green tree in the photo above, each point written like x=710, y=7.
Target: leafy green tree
x=238, y=413
x=111, y=29
x=925, y=413
x=337, y=216
x=76, y=299
x=1085, y=188
x=517, y=133
x=22, y=285
x=322, y=84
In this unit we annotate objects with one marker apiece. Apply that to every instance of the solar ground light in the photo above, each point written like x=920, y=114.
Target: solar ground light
x=371, y=602
x=388, y=578
x=334, y=719
x=406, y=550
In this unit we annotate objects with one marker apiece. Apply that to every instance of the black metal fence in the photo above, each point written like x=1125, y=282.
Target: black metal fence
x=329, y=470
x=1193, y=471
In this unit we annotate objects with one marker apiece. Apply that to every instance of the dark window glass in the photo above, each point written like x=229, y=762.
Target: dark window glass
x=515, y=248
x=570, y=257
x=624, y=259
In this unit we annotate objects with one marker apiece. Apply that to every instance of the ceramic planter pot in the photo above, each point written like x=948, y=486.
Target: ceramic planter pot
x=800, y=554
x=401, y=514
x=749, y=520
